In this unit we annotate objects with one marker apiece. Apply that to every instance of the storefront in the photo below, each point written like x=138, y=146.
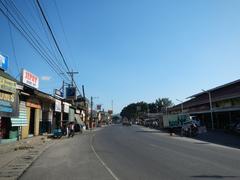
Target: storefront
x=9, y=102
x=71, y=115
x=57, y=114
x=47, y=108
x=19, y=122
x=33, y=118
x=66, y=107
x=47, y=118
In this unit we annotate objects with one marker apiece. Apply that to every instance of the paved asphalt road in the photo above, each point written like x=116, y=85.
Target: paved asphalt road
x=128, y=153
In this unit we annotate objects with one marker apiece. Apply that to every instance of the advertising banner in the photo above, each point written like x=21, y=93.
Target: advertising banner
x=8, y=98
x=7, y=85
x=3, y=62
x=58, y=93
x=9, y=104
x=71, y=93
x=66, y=107
x=30, y=79
x=58, y=106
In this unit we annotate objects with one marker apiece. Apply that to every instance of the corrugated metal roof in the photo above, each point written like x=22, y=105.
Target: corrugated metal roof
x=214, y=89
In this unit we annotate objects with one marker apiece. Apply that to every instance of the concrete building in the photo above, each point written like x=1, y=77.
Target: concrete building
x=217, y=107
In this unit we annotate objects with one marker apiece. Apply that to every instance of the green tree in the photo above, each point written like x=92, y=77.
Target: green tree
x=162, y=103
x=132, y=110
x=152, y=108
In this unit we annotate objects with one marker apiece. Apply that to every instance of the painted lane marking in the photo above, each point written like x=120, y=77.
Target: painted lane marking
x=102, y=162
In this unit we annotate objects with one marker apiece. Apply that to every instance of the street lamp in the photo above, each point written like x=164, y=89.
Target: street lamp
x=210, y=104
x=181, y=104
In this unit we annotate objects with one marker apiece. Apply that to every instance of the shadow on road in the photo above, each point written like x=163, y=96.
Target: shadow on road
x=214, y=176
x=153, y=131
x=220, y=138
x=215, y=137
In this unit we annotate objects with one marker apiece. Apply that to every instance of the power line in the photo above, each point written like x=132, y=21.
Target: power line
x=13, y=46
x=64, y=32
x=37, y=46
x=52, y=48
x=25, y=22
x=29, y=39
x=54, y=39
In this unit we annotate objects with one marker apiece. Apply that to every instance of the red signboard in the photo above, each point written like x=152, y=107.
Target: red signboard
x=30, y=79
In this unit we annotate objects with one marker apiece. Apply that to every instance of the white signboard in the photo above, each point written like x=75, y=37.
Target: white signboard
x=66, y=107
x=30, y=79
x=58, y=105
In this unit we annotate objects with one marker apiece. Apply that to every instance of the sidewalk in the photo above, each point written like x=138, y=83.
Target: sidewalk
x=16, y=157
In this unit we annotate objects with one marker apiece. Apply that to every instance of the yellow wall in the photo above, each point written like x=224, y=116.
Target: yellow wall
x=25, y=129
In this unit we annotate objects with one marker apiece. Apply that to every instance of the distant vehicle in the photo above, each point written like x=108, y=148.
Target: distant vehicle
x=126, y=122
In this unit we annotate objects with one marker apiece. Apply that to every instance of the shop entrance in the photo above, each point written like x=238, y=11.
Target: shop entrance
x=58, y=119
x=32, y=121
x=5, y=127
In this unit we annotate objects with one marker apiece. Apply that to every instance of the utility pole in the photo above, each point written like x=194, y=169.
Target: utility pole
x=71, y=73
x=181, y=104
x=112, y=106
x=210, y=105
x=91, y=113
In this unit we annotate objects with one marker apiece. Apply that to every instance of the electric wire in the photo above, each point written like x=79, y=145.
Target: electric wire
x=21, y=30
x=47, y=35
x=25, y=22
x=55, y=41
x=64, y=33
x=13, y=47
x=51, y=32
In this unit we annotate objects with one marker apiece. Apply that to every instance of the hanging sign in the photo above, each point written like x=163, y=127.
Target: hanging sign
x=71, y=93
x=66, y=107
x=58, y=106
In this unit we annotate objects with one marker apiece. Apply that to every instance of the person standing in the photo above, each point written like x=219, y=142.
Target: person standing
x=72, y=129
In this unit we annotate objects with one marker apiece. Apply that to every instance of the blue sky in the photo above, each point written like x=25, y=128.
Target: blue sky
x=135, y=50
